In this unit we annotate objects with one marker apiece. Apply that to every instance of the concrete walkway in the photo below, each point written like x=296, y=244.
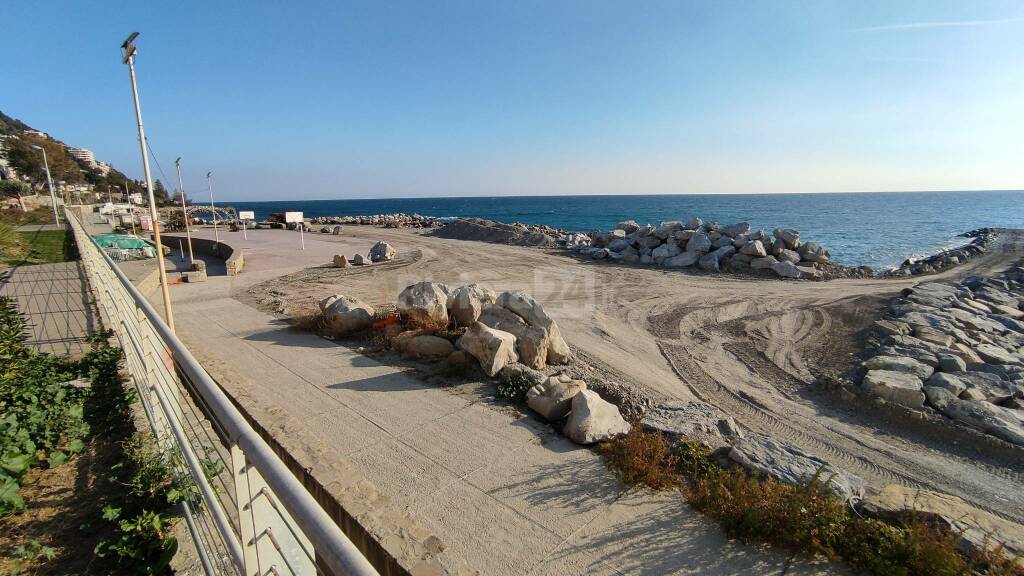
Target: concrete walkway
x=445, y=479
x=55, y=301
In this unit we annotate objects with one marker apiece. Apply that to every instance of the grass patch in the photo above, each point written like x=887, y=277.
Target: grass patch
x=18, y=217
x=39, y=247
x=807, y=518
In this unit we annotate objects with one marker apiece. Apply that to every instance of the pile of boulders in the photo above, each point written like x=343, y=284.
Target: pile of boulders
x=956, y=348
x=398, y=220
x=379, y=252
x=707, y=245
x=508, y=335
x=980, y=240
x=588, y=418
x=514, y=234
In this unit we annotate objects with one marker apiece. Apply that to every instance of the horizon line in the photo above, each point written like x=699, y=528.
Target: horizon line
x=649, y=194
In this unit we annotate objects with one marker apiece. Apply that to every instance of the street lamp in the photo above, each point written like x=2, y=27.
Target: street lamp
x=49, y=181
x=209, y=184
x=184, y=212
x=128, y=57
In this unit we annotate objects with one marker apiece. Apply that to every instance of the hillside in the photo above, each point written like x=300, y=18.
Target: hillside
x=25, y=163
x=10, y=125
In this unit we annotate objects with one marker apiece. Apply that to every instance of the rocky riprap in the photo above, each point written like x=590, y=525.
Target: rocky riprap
x=980, y=240
x=398, y=220
x=956, y=348
x=712, y=247
x=515, y=234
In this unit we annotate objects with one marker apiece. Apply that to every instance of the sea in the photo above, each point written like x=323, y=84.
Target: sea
x=877, y=229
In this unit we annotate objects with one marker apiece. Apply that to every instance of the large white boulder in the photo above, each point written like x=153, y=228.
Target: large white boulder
x=692, y=420
x=381, y=251
x=665, y=251
x=530, y=310
x=765, y=263
x=787, y=463
x=683, y=260
x=699, y=242
x=789, y=237
x=900, y=364
x=711, y=261
x=424, y=304
x=466, y=302
x=734, y=230
x=493, y=349
x=1000, y=422
x=786, y=269
x=899, y=387
x=552, y=399
x=344, y=315
x=593, y=419
x=755, y=249
x=422, y=345
x=666, y=229
x=532, y=342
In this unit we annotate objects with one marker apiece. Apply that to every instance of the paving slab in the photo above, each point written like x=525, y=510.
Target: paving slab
x=55, y=300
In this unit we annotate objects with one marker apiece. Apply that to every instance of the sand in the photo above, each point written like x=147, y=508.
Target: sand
x=753, y=347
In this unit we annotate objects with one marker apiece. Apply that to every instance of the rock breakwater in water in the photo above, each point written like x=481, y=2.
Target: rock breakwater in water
x=980, y=240
x=675, y=244
x=398, y=220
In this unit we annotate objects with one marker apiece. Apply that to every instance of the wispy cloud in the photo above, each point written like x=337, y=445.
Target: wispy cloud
x=940, y=24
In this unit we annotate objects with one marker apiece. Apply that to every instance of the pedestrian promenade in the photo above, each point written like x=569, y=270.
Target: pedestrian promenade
x=55, y=301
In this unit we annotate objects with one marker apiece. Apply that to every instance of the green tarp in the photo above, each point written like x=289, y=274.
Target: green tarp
x=122, y=247
x=121, y=241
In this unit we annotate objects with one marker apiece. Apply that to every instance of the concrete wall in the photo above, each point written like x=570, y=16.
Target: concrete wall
x=233, y=258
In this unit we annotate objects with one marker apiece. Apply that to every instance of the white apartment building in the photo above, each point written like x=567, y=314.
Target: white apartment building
x=84, y=155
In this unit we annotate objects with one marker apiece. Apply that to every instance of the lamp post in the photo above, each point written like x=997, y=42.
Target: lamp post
x=49, y=182
x=184, y=212
x=209, y=184
x=128, y=56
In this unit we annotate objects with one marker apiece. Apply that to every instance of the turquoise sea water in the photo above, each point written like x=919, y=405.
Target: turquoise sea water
x=874, y=229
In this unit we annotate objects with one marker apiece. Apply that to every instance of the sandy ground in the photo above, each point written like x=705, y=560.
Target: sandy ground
x=753, y=347
x=750, y=346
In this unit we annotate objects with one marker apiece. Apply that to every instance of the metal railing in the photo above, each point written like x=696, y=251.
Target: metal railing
x=253, y=516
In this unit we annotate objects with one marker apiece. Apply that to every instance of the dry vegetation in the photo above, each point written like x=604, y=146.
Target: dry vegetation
x=806, y=518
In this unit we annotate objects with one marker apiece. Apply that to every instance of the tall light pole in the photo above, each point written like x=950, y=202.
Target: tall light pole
x=184, y=212
x=128, y=57
x=209, y=184
x=49, y=181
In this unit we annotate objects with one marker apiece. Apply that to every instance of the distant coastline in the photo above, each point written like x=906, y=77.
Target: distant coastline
x=875, y=229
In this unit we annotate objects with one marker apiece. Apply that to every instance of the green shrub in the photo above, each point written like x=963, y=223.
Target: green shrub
x=807, y=518
x=513, y=386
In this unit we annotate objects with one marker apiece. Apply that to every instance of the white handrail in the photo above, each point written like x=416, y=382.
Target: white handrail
x=333, y=550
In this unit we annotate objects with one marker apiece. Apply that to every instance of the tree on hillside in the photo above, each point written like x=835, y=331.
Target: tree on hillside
x=159, y=191
x=29, y=161
x=14, y=189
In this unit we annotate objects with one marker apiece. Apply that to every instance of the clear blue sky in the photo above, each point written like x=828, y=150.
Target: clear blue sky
x=412, y=98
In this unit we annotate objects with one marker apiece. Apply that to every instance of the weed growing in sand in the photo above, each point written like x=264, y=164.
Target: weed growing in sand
x=807, y=518
x=641, y=458
x=513, y=386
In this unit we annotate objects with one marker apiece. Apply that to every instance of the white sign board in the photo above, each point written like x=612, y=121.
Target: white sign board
x=246, y=215
x=293, y=216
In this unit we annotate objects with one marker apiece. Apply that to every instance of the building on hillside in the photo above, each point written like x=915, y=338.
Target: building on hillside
x=103, y=168
x=83, y=154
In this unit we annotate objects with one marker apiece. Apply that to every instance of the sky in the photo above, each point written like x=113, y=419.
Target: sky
x=404, y=98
